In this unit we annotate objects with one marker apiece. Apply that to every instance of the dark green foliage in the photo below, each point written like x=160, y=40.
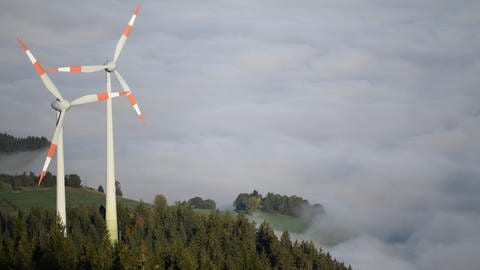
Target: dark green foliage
x=199, y=203
x=274, y=203
x=73, y=180
x=248, y=202
x=100, y=189
x=11, y=144
x=151, y=237
x=267, y=244
x=16, y=182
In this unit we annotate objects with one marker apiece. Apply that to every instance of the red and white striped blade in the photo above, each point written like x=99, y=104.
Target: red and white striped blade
x=74, y=69
x=41, y=72
x=126, y=32
x=130, y=96
x=98, y=97
x=53, y=146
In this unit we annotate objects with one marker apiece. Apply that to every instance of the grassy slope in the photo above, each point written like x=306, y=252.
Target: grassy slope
x=282, y=222
x=277, y=221
x=206, y=212
x=46, y=197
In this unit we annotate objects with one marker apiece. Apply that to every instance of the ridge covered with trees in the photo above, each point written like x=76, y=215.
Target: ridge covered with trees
x=151, y=237
x=200, y=203
x=16, y=182
x=274, y=203
x=11, y=144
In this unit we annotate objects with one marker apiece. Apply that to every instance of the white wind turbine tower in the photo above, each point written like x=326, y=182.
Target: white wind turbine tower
x=61, y=105
x=109, y=67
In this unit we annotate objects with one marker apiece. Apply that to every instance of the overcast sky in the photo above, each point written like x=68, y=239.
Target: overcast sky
x=368, y=107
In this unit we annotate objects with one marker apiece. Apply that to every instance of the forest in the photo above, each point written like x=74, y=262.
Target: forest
x=274, y=203
x=151, y=237
x=11, y=144
x=200, y=203
x=16, y=182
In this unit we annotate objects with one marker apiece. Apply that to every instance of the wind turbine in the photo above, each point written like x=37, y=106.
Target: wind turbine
x=109, y=67
x=61, y=106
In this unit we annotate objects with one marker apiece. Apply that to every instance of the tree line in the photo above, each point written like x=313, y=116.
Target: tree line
x=24, y=180
x=200, y=203
x=11, y=144
x=151, y=237
x=274, y=203
x=16, y=182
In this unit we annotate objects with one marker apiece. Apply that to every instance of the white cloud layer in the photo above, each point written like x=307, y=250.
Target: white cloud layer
x=368, y=107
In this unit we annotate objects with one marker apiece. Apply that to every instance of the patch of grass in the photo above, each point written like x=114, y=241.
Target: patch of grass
x=206, y=212
x=46, y=198
x=203, y=212
x=281, y=222
x=277, y=221
x=27, y=198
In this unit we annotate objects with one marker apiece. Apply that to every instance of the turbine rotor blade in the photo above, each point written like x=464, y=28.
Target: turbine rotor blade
x=123, y=38
x=98, y=97
x=53, y=146
x=41, y=72
x=130, y=96
x=74, y=69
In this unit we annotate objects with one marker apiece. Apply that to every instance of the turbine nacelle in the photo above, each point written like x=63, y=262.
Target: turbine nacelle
x=61, y=105
x=110, y=67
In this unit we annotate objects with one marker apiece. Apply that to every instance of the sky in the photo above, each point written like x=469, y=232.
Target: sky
x=367, y=107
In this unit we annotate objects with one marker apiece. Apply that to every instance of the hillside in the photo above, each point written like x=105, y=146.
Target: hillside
x=281, y=222
x=278, y=222
x=26, y=198
x=45, y=198
x=151, y=237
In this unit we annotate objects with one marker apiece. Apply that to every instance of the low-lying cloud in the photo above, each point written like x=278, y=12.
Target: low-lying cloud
x=368, y=108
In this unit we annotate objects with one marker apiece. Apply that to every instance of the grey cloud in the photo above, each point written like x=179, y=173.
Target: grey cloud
x=367, y=107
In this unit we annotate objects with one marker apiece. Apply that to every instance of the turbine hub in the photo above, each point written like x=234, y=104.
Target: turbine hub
x=110, y=67
x=59, y=105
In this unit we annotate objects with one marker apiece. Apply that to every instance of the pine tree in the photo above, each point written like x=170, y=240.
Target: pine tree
x=267, y=244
